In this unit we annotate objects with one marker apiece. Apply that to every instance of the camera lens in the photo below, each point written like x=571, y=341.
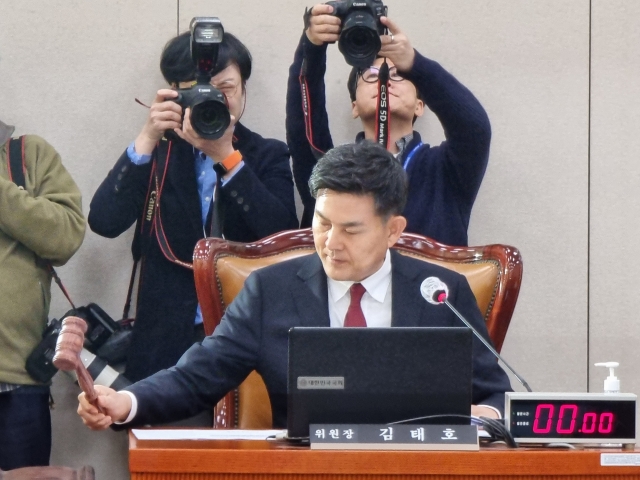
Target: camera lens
x=210, y=118
x=359, y=41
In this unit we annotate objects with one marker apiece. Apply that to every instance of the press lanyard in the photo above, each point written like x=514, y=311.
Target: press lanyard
x=410, y=156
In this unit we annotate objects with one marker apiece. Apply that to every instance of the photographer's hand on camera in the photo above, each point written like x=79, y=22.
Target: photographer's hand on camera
x=218, y=149
x=396, y=46
x=116, y=407
x=164, y=115
x=323, y=27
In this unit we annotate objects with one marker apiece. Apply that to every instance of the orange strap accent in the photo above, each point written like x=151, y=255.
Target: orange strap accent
x=232, y=160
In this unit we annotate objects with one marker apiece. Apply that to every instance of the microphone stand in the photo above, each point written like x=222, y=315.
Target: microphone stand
x=487, y=344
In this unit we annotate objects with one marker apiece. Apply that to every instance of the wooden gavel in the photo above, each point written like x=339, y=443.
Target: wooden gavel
x=67, y=357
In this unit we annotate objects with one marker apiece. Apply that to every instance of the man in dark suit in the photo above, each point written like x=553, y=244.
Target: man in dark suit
x=353, y=280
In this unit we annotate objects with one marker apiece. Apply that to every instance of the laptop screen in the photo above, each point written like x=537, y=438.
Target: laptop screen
x=377, y=375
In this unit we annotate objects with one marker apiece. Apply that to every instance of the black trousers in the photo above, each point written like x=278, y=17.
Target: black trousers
x=25, y=427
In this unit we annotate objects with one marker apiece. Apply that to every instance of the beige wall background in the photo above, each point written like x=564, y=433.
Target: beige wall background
x=557, y=77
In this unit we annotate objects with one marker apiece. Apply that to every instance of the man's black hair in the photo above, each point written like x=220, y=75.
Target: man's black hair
x=177, y=65
x=363, y=168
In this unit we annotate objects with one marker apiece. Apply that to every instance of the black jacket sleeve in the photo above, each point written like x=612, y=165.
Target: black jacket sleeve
x=465, y=122
x=302, y=153
x=208, y=370
x=119, y=200
x=260, y=195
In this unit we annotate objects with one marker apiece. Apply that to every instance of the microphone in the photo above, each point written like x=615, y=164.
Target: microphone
x=436, y=292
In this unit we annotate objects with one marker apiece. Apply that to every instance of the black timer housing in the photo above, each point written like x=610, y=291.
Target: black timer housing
x=588, y=418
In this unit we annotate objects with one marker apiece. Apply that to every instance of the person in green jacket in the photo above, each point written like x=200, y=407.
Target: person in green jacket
x=41, y=224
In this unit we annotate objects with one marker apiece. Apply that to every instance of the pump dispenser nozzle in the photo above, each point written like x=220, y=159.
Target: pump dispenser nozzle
x=611, y=383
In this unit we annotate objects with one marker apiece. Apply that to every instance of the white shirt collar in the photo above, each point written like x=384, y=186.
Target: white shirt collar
x=376, y=284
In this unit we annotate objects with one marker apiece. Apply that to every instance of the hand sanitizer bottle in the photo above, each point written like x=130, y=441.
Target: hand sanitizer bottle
x=611, y=383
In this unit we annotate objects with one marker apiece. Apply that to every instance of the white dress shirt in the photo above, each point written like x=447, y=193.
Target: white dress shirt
x=375, y=303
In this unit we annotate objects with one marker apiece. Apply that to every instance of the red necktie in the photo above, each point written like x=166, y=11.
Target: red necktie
x=354, y=316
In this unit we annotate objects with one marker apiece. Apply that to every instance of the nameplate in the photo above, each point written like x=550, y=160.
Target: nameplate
x=619, y=460
x=393, y=437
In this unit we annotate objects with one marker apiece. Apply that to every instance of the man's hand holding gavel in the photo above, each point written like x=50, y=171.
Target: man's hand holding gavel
x=99, y=406
x=116, y=407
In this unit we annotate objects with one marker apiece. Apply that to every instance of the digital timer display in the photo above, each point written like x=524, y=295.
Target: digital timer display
x=572, y=418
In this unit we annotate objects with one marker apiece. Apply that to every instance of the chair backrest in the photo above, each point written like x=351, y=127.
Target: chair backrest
x=49, y=473
x=494, y=273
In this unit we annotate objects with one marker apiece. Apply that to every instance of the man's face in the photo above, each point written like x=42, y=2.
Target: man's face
x=350, y=238
x=229, y=82
x=403, y=98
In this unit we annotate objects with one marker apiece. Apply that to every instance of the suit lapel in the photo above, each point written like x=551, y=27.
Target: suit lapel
x=407, y=305
x=312, y=299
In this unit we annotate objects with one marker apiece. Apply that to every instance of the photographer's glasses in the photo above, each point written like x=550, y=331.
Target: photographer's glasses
x=370, y=75
x=228, y=88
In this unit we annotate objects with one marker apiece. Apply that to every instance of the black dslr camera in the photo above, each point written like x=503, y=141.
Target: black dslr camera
x=105, y=337
x=209, y=109
x=359, y=39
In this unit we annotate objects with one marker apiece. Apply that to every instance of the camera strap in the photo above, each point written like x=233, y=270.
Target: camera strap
x=162, y=163
x=382, y=112
x=215, y=216
x=15, y=161
x=383, y=119
x=138, y=237
x=306, y=109
x=132, y=281
x=17, y=167
x=58, y=281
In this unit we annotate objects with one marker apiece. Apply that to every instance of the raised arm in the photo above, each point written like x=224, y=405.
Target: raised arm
x=464, y=120
x=119, y=200
x=308, y=136
x=208, y=370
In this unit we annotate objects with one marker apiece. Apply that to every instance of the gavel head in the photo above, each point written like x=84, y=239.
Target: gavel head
x=70, y=343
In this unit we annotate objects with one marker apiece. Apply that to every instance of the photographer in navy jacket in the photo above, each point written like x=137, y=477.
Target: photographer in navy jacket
x=443, y=180
x=253, y=199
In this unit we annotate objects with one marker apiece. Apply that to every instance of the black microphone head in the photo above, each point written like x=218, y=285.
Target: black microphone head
x=434, y=290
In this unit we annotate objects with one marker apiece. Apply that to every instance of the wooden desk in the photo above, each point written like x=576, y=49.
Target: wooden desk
x=261, y=460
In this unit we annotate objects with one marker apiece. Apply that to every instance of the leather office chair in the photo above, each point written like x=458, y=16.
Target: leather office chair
x=49, y=473
x=494, y=273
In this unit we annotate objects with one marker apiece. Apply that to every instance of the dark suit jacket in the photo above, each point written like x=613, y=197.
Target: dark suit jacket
x=254, y=335
x=258, y=201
